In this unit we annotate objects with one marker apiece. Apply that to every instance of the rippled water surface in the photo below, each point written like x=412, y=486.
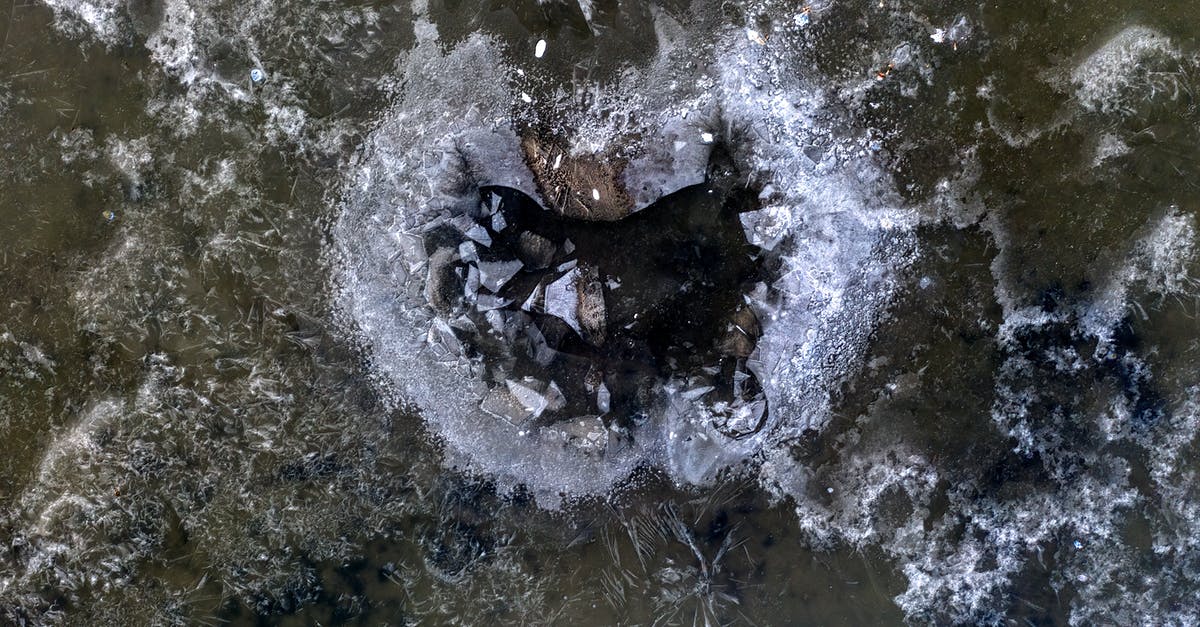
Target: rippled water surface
x=697, y=312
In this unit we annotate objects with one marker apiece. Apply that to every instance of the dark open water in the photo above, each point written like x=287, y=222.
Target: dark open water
x=972, y=231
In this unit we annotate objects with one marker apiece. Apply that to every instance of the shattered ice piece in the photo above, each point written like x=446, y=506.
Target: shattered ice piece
x=558, y=161
x=680, y=145
x=586, y=433
x=537, y=301
x=746, y=419
x=526, y=98
x=479, y=234
x=768, y=226
x=696, y=393
x=568, y=247
x=755, y=36
x=468, y=252
x=539, y=49
x=499, y=321
x=442, y=336
x=706, y=137
x=536, y=397
x=412, y=248
x=803, y=18
x=488, y=302
x=498, y=222
x=603, y=399
x=568, y=265
x=471, y=285
x=577, y=298
x=938, y=36
x=493, y=275
x=503, y=404
x=1077, y=544
x=538, y=348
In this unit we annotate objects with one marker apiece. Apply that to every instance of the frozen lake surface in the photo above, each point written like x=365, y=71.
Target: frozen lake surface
x=599, y=312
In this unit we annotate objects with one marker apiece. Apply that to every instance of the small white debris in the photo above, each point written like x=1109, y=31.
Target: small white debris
x=595, y=194
x=540, y=49
x=829, y=490
x=802, y=19
x=755, y=36
x=938, y=36
x=706, y=137
x=526, y=98
x=257, y=75
x=558, y=161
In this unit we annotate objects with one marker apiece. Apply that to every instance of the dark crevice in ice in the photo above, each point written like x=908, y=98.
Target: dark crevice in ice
x=575, y=318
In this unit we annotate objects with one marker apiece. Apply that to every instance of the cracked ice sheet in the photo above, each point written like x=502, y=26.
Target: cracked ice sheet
x=428, y=157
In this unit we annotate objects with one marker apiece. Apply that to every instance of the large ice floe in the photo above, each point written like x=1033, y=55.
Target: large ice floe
x=672, y=271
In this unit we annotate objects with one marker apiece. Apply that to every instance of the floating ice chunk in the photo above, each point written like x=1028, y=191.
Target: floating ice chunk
x=493, y=275
x=706, y=137
x=539, y=49
x=558, y=161
x=595, y=194
x=938, y=36
x=526, y=98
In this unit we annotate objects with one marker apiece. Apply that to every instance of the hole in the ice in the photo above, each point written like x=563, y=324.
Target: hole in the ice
x=585, y=323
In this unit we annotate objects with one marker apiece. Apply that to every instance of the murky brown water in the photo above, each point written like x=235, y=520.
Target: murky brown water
x=201, y=425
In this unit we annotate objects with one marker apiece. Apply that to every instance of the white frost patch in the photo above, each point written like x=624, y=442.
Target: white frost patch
x=105, y=19
x=1123, y=70
x=1159, y=262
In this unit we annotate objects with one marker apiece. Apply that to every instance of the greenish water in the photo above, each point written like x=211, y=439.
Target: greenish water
x=208, y=415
